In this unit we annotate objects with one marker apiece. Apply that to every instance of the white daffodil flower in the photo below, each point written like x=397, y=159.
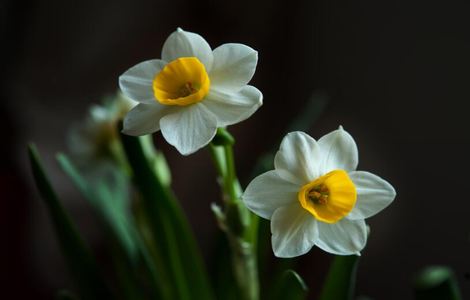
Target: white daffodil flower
x=315, y=196
x=191, y=91
x=93, y=139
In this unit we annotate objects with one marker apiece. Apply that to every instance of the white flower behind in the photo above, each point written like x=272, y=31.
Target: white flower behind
x=191, y=91
x=94, y=139
x=315, y=196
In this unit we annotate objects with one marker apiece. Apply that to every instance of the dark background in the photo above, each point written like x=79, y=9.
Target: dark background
x=396, y=75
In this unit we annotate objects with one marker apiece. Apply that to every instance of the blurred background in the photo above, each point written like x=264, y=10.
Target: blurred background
x=394, y=74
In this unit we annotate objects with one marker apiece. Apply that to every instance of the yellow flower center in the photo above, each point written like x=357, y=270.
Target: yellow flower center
x=330, y=197
x=183, y=81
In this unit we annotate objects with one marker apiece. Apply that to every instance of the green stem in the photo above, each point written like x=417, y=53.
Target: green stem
x=218, y=158
x=230, y=181
x=238, y=224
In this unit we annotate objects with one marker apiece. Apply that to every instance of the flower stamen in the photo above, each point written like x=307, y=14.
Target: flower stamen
x=187, y=90
x=319, y=195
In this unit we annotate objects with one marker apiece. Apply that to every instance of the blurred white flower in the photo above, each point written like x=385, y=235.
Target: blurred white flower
x=96, y=139
x=191, y=91
x=314, y=196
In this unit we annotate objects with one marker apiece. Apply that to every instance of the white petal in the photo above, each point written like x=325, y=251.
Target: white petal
x=187, y=44
x=293, y=230
x=145, y=118
x=268, y=192
x=297, y=158
x=339, y=151
x=136, y=83
x=189, y=129
x=344, y=237
x=233, y=67
x=373, y=194
x=233, y=107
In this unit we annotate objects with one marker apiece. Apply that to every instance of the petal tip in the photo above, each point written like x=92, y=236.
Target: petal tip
x=278, y=254
x=126, y=131
x=187, y=152
x=297, y=133
x=260, y=99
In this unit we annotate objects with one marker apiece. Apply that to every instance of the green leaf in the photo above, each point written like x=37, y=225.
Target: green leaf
x=129, y=276
x=291, y=286
x=222, y=274
x=436, y=282
x=177, y=247
x=80, y=262
x=341, y=279
x=108, y=193
x=107, y=190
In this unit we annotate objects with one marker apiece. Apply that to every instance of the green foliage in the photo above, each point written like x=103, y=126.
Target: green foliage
x=436, y=283
x=108, y=193
x=291, y=287
x=176, y=254
x=80, y=262
x=341, y=279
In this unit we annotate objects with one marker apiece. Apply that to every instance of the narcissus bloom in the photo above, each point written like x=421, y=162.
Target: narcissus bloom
x=191, y=91
x=94, y=139
x=315, y=196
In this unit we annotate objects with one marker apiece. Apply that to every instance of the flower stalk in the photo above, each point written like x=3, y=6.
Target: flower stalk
x=236, y=221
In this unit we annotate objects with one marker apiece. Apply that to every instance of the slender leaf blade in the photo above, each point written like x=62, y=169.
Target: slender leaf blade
x=171, y=228
x=108, y=194
x=341, y=279
x=79, y=260
x=436, y=282
x=106, y=188
x=291, y=287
